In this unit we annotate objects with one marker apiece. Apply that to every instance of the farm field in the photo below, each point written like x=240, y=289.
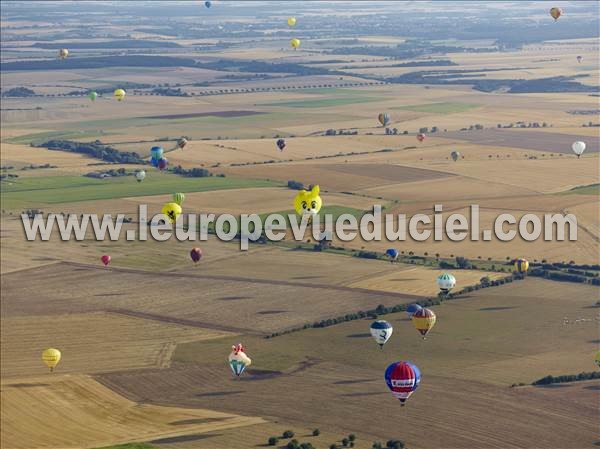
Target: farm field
x=145, y=339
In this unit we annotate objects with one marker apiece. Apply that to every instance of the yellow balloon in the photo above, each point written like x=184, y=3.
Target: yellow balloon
x=119, y=94
x=172, y=210
x=291, y=21
x=51, y=357
x=521, y=265
x=308, y=203
x=295, y=43
x=424, y=320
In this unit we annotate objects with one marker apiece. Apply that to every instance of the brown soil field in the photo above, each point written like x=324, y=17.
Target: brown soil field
x=337, y=177
x=531, y=140
x=228, y=303
x=480, y=345
x=92, y=343
x=87, y=414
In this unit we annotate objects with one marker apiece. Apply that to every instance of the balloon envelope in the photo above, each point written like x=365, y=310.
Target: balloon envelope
x=556, y=13
x=424, y=320
x=105, y=259
x=238, y=360
x=162, y=163
x=420, y=137
x=402, y=378
x=308, y=202
x=181, y=143
x=51, y=357
x=578, y=147
x=455, y=155
x=93, y=96
x=119, y=94
x=281, y=144
x=521, y=265
x=384, y=118
x=156, y=152
x=140, y=176
x=412, y=309
x=172, y=210
x=295, y=43
x=392, y=252
x=63, y=53
x=208, y=4
x=291, y=21
x=446, y=282
x=381, y=331
x=178, y=198
x=196, y=254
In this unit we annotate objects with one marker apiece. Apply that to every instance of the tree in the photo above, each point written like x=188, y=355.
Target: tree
x=287, y=434
x=376, y=445
x=352, y=437
x=333, y=446
x=306, y=446
x=273, y=441
x=293, y=445
x=345, y=442
x=485, y=281
x=316, y=433
x=394, y=444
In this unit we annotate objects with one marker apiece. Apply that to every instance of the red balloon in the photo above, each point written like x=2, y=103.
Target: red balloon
x=196, y=254
x=105, y=259
x=420, y=137
x=162, y=163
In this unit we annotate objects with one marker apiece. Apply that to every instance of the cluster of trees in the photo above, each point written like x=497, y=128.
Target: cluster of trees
x=19, y=92
x=341, y=132
x=295, y=185
x=293, y=443
x=390, y=444
x=567, y=378
x=564, y=277
x=195, y=172
x=109, y=173
x=95, y=149
x=4, y=176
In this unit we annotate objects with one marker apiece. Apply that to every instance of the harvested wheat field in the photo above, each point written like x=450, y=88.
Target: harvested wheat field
x=418, y=280
x=84, y=413
x=106, y=342
x=231, y=303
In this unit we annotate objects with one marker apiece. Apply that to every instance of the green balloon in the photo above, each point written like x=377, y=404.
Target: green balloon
x=93, y=95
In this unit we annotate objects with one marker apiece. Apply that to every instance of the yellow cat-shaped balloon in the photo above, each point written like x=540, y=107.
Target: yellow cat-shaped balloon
x=308, y=202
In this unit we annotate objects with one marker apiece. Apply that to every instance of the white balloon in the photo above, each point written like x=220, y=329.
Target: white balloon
x=578, y=147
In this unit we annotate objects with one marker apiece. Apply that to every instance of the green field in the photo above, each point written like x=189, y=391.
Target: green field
x=439, y=108
x=592, y=189
x=38, y=138
x=39, y=191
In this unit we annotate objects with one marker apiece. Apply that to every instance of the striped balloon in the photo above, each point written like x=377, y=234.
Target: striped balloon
x=402, y=378
x=521, y=265
x=178, y=198
x=424, y=320
x=446, y=282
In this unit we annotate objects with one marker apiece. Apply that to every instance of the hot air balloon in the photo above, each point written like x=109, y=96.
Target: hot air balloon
x=291, y=21
x=93, y=95
x=51, y=357
x=420, y=137
x=381, y=331
x=140, y=175
x=455, y=155
x=178, y=198
x=402, y=378
x=411, y=309
x=63, y=53
x=208, y=4
x=295, y=43
x=156, y=152
x=308, y=202
x=392, y=253
x=384, y=118
x=181, y=143
x=521, y=265
x=172, y=210
x=579, y=59
x=578, y=148
x=556, y=13
x=238, y=360
x=280, y=144
x=598, y=358
x=424, y=320
x=105, y=260
x=196, y=254
x=446, y=282
x=119, y=94
x=162, y=163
